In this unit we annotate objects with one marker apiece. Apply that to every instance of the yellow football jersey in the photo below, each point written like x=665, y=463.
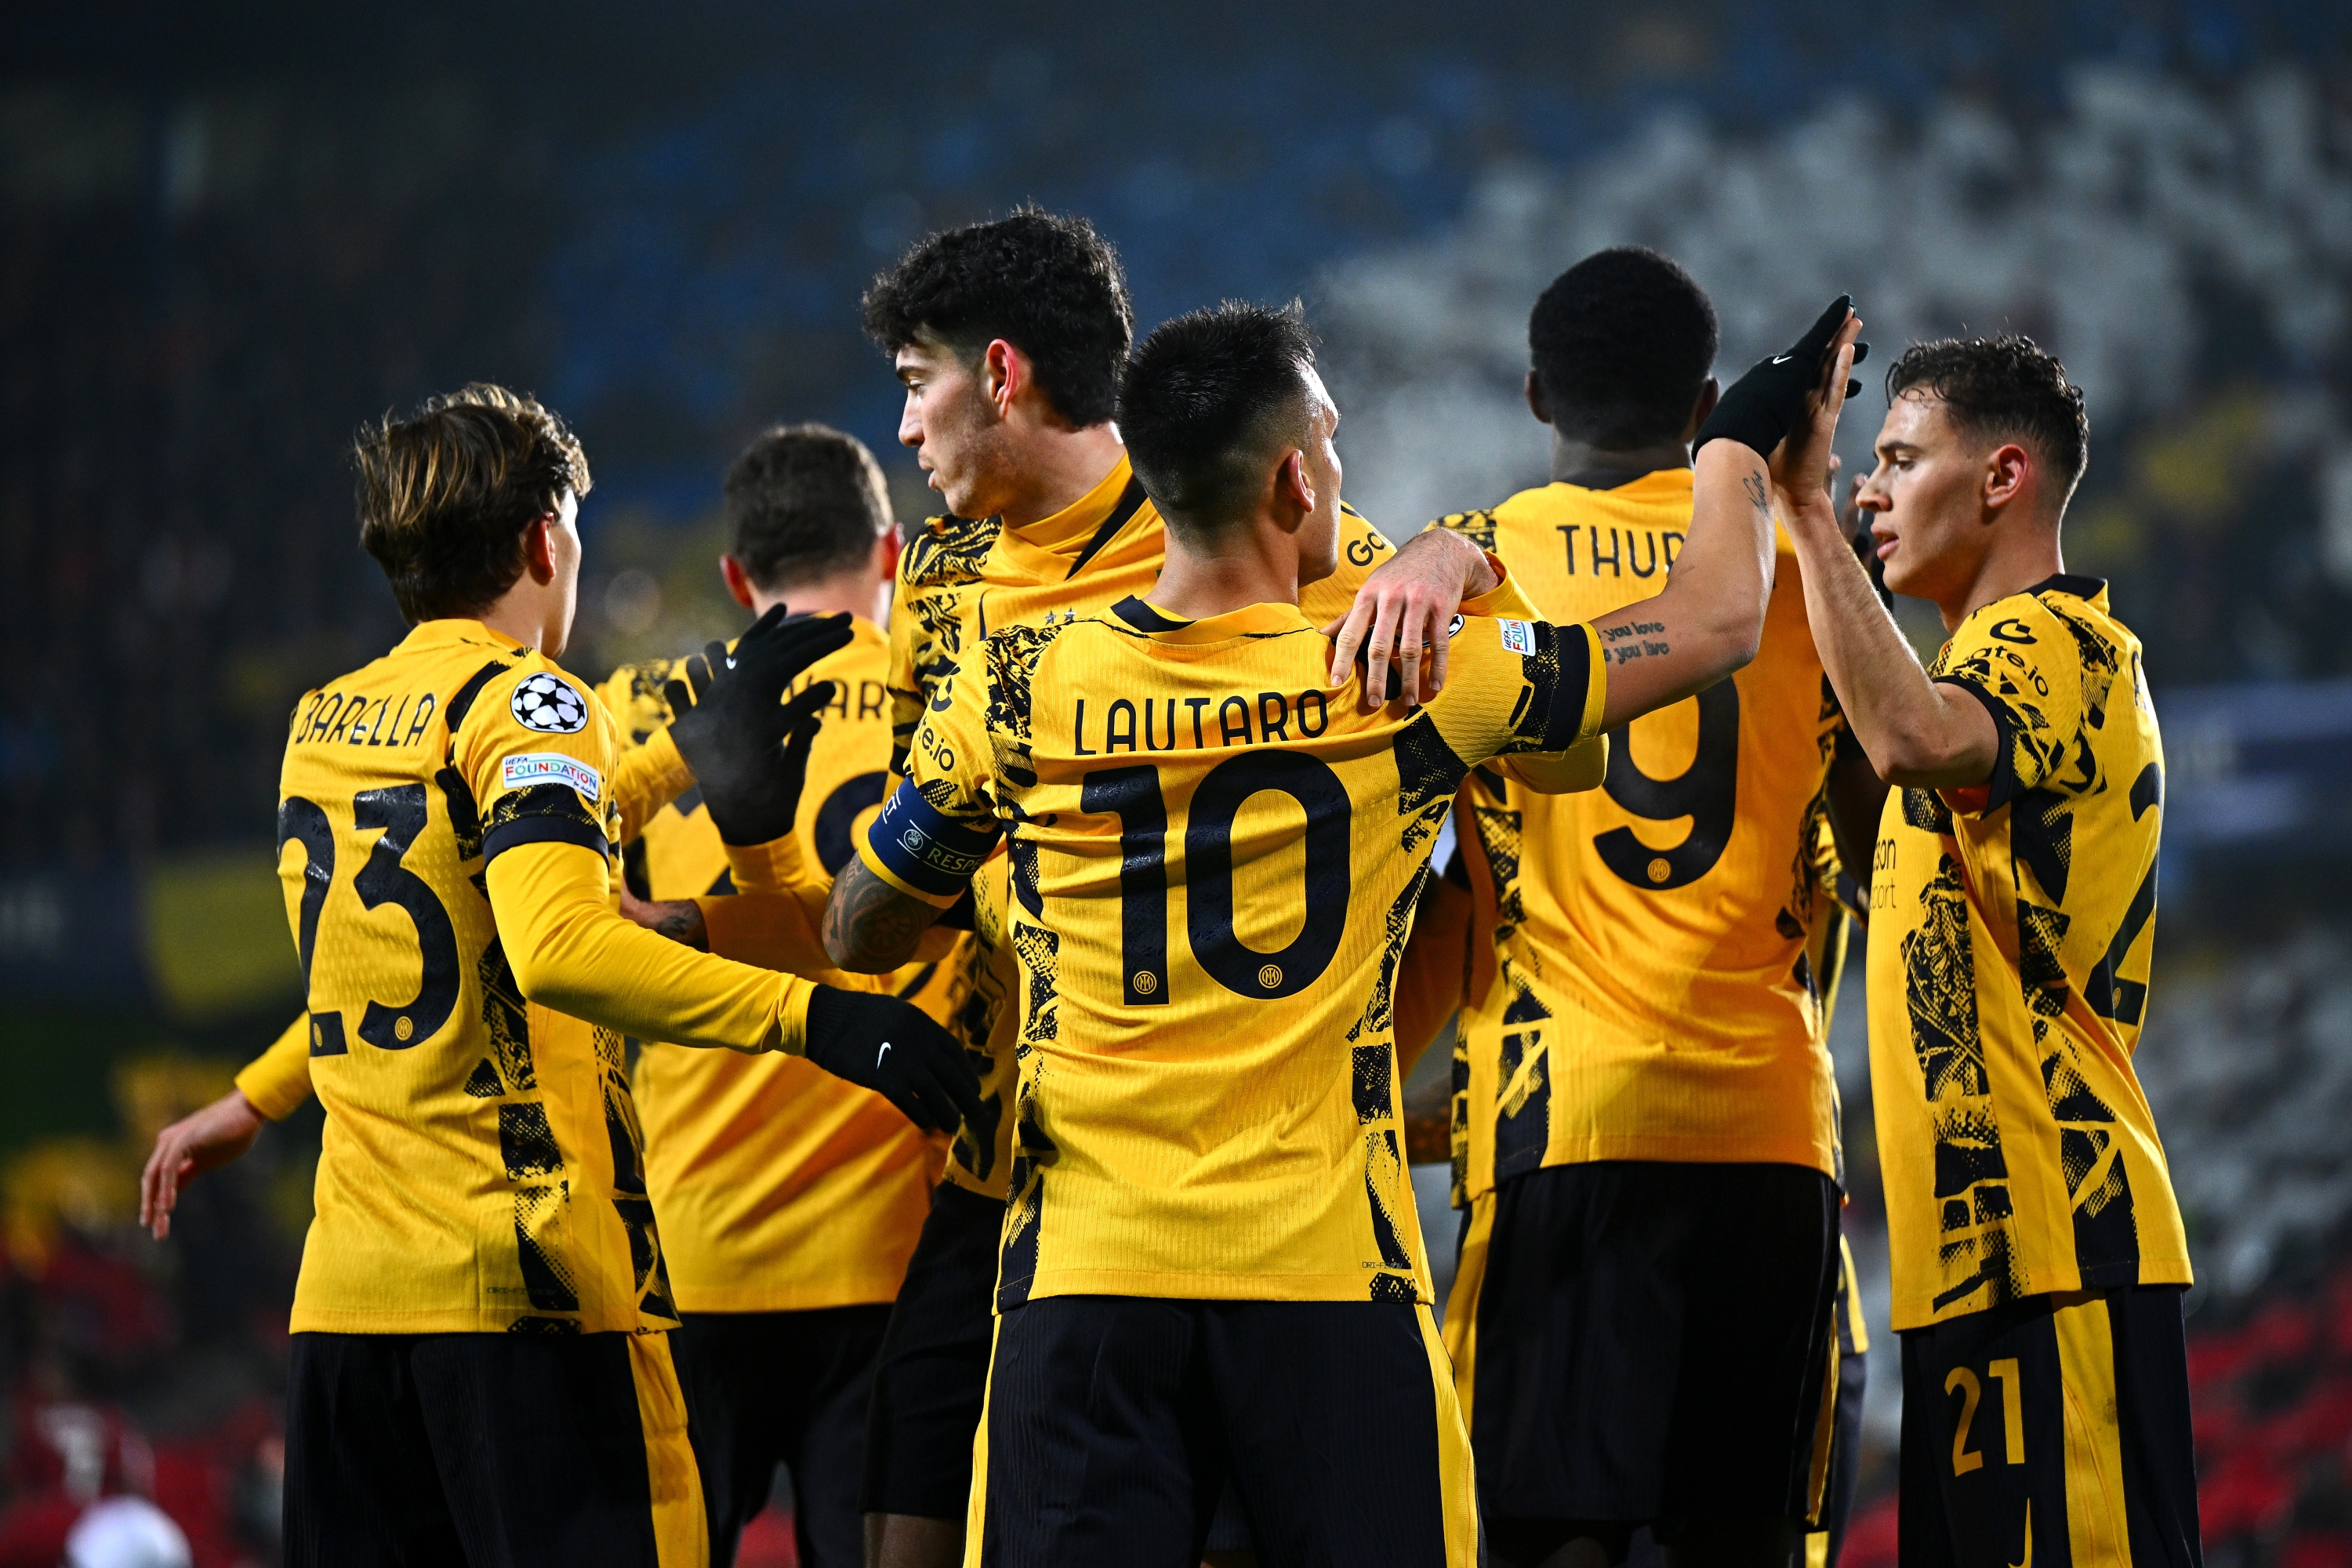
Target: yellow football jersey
x=1214, y=865
x=481, y=1167
x=959, y=580
x=1647, y=995
x=780, y=1187
x=2012, y=932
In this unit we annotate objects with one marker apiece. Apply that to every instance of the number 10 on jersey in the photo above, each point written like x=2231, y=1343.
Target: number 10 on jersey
x=1133, y=795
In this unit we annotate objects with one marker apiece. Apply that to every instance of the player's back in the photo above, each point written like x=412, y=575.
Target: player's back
x=479, y=1166
x=1647, y=996
x=1214, y=860
x=961, y=579
x=781, y=1186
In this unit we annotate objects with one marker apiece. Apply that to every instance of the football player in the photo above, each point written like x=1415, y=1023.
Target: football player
x=2037, y=1248
x=478, y=1363
x=1008, y=337
x=1643, y=1318
x=789, y=1199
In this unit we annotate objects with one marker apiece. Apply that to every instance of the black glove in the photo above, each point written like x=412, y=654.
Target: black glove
x=1758, y=408
x=893, y=1049
x=730, y=719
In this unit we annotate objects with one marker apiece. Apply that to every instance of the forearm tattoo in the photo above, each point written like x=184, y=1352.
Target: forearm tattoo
x=869, y=925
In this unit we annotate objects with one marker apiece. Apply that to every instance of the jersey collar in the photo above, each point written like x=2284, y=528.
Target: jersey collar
x=1056, y=548
x=1658, y=482
x=2090, y=590
x=1249, y=621
x=453, y=631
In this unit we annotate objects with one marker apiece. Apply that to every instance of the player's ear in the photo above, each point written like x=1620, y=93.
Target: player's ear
x=1294, y=491
x=539, y=548
x=1536, y=404
x=737, y=580
x=1002, y=374
x=2007, y=473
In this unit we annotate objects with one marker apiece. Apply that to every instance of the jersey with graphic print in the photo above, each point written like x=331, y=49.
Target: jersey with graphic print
x=1215, y=860
x=1647, y=994
x=2012, y=932
x=958, y=581
x=780, y=1187
x=481, y=1167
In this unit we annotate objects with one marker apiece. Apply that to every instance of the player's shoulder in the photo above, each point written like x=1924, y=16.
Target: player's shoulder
x=946, y=551
x=2062, y=619
x=535, y=695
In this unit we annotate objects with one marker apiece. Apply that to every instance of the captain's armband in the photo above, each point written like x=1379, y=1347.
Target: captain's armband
x=922, y=851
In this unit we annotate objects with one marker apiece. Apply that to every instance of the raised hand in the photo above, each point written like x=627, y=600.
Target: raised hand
x=747, y=747
x=1763, y=406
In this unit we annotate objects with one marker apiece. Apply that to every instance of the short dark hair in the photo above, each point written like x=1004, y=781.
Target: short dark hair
x=804, y=501
x=1622, y=343
x=446, y=495
x=2008, y=388
x=1048, y=285
x=1205, y=399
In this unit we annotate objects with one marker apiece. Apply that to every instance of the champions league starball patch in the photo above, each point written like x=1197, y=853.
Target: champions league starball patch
x=546, y=702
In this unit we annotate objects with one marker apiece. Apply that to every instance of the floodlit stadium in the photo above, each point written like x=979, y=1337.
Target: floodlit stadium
x=1208, y=784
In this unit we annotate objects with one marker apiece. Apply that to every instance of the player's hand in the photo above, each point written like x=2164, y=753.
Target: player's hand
x=203, y=1141
x=894, y=1048
x=1801, y=465
x=1762, y=406
x=1402, y=613
x=751, y=765
x=681, y=920
x=729, y=713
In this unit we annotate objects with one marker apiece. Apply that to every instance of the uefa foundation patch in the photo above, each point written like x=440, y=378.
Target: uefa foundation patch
x=1519, y=637
x=528, y=768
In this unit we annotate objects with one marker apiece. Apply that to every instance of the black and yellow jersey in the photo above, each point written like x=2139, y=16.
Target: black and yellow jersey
x=1214, y=861
x=2012, y=932
x=446, y=823
x=780, y=1187
x=1647, y=994
x=959, y=580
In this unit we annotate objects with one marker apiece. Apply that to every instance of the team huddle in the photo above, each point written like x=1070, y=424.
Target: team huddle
x=951, y=1041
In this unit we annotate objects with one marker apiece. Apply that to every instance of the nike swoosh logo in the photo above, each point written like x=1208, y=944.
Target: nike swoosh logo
x=880, y=1054
x=1782, y=359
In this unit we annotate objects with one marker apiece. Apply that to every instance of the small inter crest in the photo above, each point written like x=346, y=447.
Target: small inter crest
x=548, y=703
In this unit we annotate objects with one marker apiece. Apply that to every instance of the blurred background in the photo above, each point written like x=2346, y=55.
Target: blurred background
x=229, y=235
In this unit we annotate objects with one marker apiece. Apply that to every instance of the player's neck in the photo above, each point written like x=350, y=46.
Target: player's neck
x=1056, y=467
x=1251, y=569
x=1573, y=462
x=2014, y=563
x=522, y=617
x=850, y=594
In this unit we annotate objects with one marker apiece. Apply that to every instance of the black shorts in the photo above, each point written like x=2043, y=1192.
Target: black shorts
x=2056, y=1427
x=420, y=1450
x=764, y=1389
x=1647, y=1342
x=932, y=1373
x=1115, y=1423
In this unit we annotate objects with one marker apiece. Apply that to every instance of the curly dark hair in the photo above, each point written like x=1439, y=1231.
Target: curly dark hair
x=446, y=495
x=1622, y=343
x=1206, y=399
x=1048, y=285
x=804, y=501
x=2008, y=388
